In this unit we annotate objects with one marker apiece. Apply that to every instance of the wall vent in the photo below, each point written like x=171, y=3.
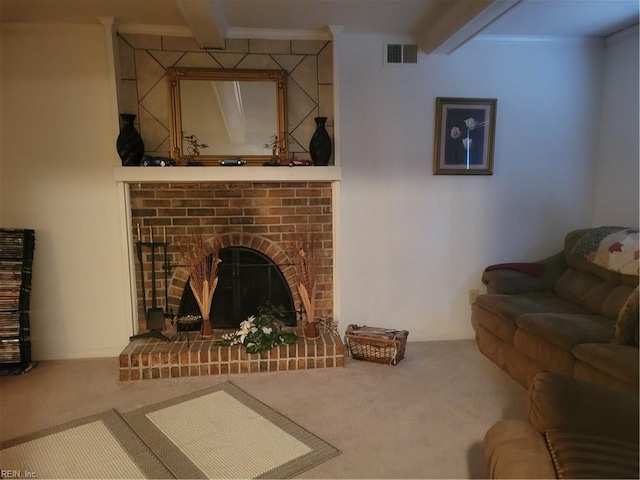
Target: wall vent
x=397, y=53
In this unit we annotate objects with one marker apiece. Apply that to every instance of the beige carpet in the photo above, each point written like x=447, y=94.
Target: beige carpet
x=423, y=418
x=218, y=432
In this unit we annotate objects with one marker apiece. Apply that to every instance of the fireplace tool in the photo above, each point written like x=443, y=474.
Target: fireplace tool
x=154, y=315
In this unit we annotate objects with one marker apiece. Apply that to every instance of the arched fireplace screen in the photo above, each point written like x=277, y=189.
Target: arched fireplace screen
x=247, y=280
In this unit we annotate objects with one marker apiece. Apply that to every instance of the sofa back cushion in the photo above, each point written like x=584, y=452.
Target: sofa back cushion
x=599, y=290
x=592, y=292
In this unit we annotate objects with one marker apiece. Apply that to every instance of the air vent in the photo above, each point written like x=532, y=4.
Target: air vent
x=401, y=53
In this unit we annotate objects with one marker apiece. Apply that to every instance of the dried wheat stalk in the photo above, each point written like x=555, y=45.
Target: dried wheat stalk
x=307, y=260
x=203, y=269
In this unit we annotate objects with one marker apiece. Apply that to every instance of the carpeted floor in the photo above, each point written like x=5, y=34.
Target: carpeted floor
x=424, y=418
x=216, y=432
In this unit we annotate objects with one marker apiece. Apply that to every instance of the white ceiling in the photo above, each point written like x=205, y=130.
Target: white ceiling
x=578, y=18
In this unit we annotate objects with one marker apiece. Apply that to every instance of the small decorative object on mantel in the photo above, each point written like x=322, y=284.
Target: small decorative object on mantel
x=464, y=136
x=381, y=345
x=193, y=150
x=320, y=145
x=306, y=259
x=129, y=143
x=278, y=153
x=299, y=162
x=232, y=162
x=148, y=161
x=202, y=264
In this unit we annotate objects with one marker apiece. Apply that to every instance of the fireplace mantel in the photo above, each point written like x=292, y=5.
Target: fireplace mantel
x=227, y=174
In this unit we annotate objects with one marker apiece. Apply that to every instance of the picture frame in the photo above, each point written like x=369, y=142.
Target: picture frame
x=464, y=136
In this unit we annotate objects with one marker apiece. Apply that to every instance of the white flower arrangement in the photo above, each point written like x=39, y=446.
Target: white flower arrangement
x=258, y=334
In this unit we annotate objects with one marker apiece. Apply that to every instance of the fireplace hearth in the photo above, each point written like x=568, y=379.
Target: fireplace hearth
x=151, y=358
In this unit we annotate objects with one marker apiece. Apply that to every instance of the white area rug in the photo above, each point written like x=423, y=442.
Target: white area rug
x=223, y=432
x=100, y=446
x=219, y=432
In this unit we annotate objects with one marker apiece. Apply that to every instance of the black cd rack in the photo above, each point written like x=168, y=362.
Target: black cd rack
x=16, y=262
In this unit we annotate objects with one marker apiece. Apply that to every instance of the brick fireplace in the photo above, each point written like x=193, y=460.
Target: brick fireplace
x=265, y=216
x=265, y=209
x=268, y=217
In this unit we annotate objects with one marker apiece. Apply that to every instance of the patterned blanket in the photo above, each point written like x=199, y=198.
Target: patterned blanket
x=614, y=248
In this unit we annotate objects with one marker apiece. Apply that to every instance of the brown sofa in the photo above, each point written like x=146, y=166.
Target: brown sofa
x=567, y=313
x=576, y=429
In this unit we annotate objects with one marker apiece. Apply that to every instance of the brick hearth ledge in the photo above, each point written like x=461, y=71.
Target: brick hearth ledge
x=152, y=358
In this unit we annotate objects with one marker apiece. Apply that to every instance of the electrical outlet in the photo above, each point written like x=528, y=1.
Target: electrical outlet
x=473, y=293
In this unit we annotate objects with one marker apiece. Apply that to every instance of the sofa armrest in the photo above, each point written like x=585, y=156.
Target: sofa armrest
x=511, y=281
x=514, y=449
x=557, y=401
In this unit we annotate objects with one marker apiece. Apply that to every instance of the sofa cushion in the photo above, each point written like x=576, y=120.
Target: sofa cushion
x=627, y=322
x=512, y=306
x=498, y=312
x=584, y=371
x=614, y=302
x=619, y=361
x=542, y=352
x=520, y=367
x=592, y=293
x=503, y=328
x=567, y=330
x=579, y=455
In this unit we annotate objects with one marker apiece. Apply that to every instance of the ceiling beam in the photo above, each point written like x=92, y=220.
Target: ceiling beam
x=207, y=21
x=462, y=20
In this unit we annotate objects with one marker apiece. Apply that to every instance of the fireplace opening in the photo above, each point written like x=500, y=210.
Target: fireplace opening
x=247, y=281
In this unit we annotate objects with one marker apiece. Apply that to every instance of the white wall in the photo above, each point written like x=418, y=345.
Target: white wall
x=58, y=153
x=413, y=244
x=616, y=198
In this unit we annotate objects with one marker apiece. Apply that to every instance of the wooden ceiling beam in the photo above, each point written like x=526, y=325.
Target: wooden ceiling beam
x=459, y=23
x=207, y=21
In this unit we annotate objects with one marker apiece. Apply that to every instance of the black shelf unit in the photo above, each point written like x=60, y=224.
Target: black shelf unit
x=16, y=262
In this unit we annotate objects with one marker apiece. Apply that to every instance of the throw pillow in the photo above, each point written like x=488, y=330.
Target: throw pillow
x=615, y=248
x=627, y=322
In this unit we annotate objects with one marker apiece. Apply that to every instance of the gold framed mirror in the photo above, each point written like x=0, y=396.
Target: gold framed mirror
x=227, y=115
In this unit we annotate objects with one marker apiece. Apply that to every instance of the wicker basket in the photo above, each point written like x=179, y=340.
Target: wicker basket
x=382, y=345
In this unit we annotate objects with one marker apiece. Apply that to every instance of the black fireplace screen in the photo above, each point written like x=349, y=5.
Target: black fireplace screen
x=247, y=280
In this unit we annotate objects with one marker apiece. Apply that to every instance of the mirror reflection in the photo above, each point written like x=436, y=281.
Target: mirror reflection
x=232, y=114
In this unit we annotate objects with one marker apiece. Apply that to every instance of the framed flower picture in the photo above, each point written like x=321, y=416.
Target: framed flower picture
x=464, y=137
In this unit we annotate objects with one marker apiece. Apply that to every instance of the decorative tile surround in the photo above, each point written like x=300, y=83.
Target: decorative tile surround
x=152, y=358
x=145, y=91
